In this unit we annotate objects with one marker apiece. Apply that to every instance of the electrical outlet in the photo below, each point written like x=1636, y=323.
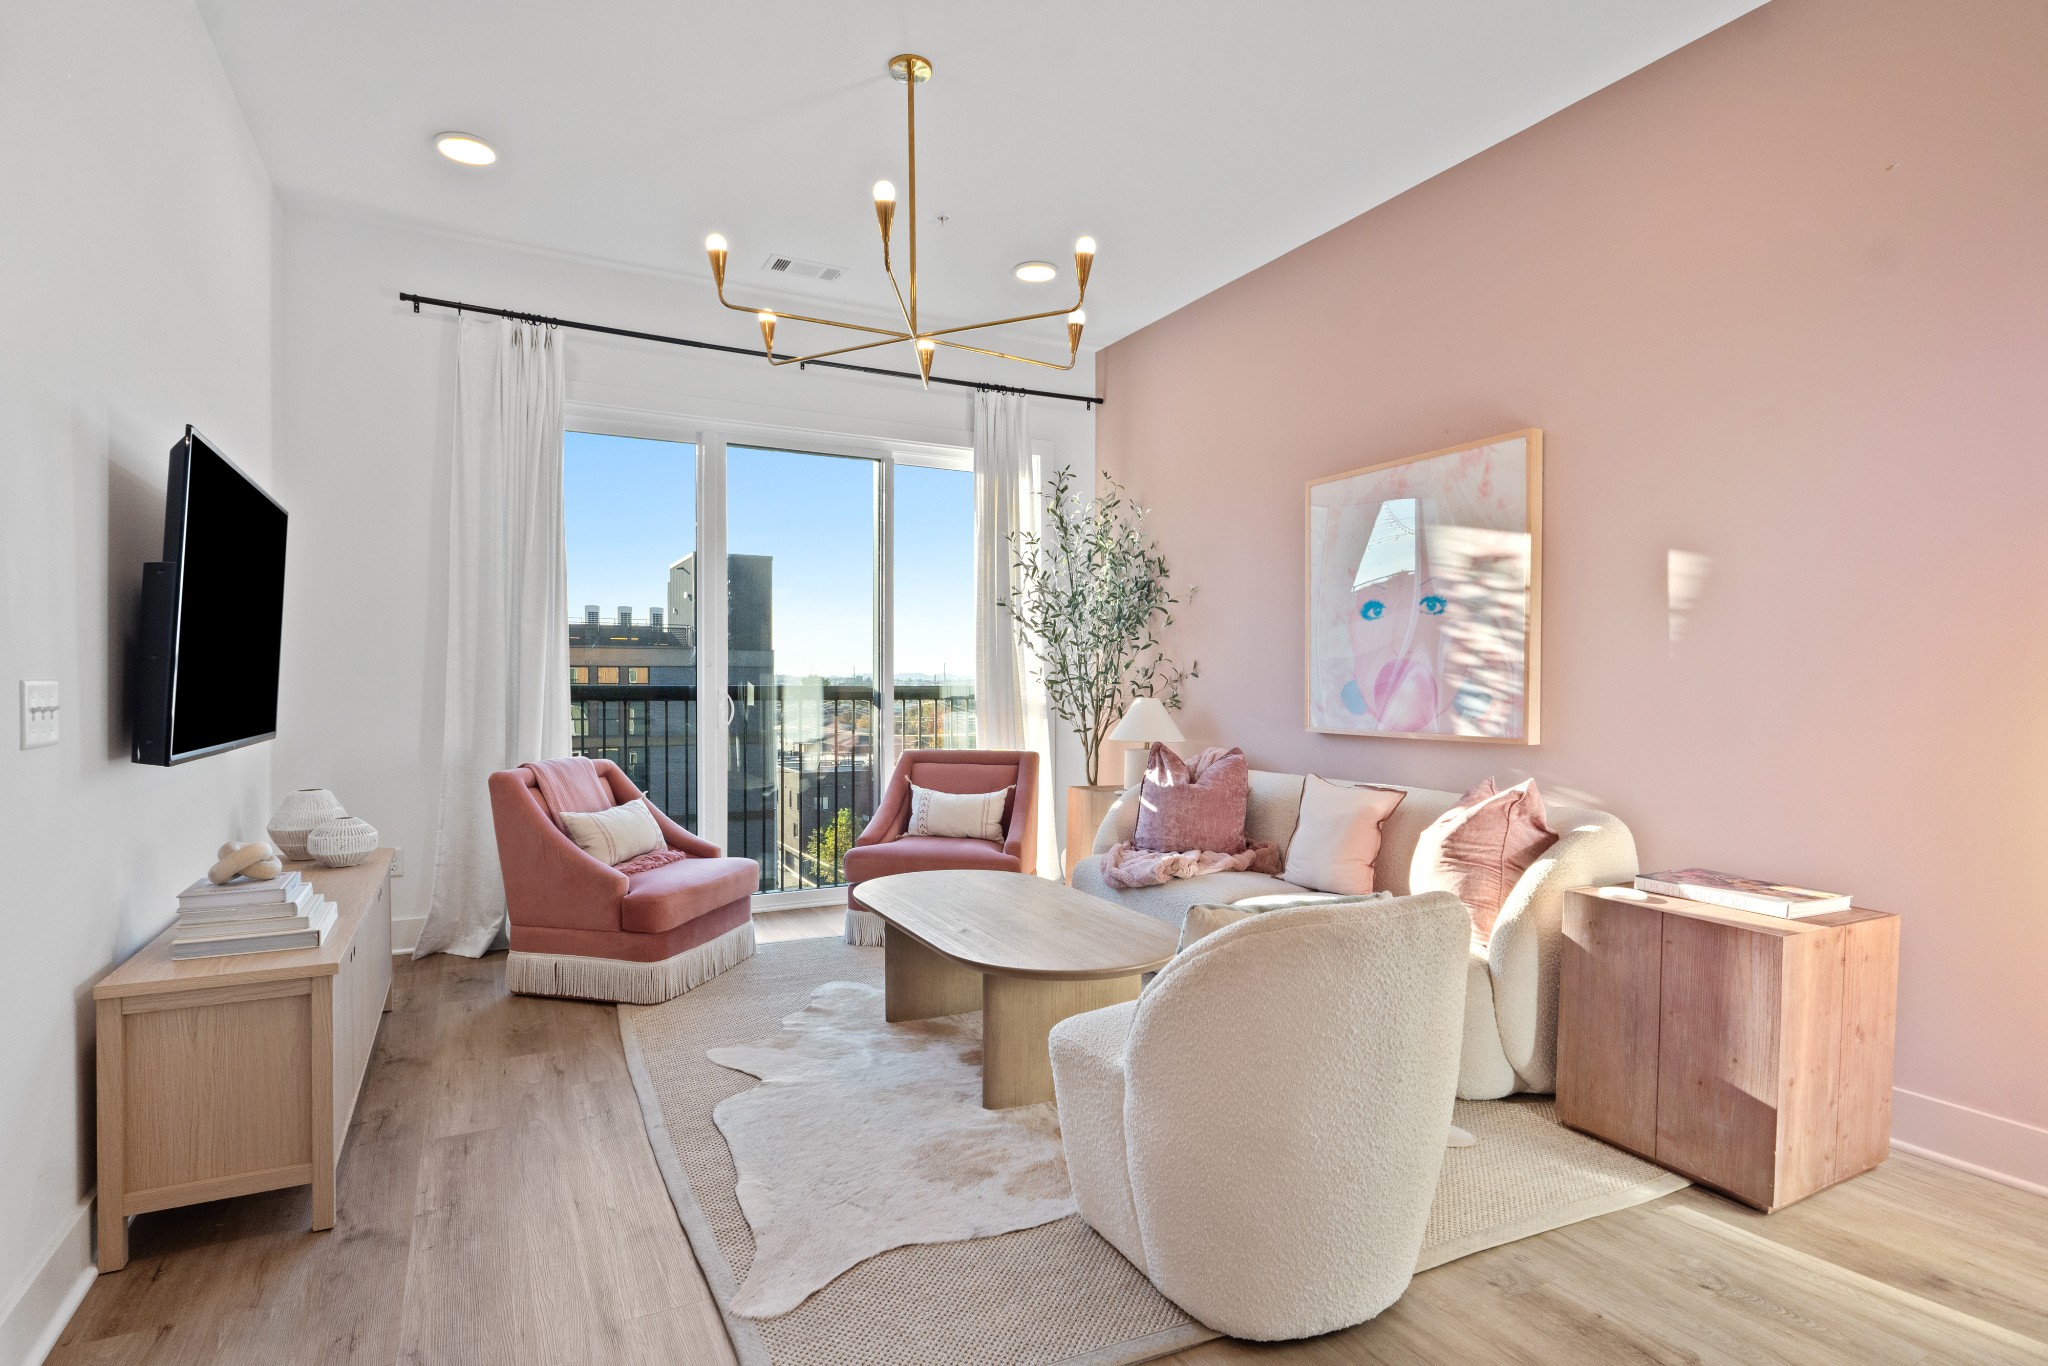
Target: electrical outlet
x=397, y=862
x=38, y=714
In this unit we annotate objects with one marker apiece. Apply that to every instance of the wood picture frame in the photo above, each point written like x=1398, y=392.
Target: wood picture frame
x=1423, y=595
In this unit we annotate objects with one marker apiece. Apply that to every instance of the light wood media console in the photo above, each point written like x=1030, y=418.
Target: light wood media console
x=224, y=1076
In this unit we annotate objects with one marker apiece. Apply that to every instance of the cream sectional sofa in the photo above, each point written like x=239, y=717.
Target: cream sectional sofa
x=1510, y=1041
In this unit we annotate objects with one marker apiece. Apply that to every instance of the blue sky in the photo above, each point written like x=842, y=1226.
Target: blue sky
x=630, y=512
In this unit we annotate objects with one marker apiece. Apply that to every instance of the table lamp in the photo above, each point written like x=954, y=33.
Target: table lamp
x=1146, y=721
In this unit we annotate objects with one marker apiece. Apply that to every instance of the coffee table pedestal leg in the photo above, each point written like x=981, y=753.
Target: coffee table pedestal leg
x=919, y=984
x=1017, y=1014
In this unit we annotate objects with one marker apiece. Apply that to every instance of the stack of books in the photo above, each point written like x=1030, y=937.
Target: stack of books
x=242, y=916
x=1742, y=893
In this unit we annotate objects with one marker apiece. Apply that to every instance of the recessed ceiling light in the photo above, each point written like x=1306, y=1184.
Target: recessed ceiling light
x=467, y=148
x=1035, y=272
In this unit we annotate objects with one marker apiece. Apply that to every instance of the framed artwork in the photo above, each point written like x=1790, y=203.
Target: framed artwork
x=1424, y=583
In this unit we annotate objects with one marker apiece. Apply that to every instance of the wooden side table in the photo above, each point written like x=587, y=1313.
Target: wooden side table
x=1748, y=1052
x=1086, y=806
x=225, y=1076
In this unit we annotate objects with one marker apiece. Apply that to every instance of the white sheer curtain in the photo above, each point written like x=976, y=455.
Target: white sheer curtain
x=507, y=695
x=1009, y=703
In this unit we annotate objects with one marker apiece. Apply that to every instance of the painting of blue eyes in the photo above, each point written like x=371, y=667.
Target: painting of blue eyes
x=1373, y=609
x=1433, y=604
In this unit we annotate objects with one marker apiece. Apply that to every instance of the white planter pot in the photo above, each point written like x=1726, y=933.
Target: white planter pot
x=342, y=842
x=297, y=815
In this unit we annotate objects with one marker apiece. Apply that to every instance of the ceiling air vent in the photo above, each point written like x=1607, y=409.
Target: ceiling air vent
x=802, y=269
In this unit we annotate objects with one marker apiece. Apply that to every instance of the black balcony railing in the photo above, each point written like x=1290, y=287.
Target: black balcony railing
x=800, y=781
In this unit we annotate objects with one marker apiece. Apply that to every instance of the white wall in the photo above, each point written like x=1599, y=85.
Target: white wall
x=136, y=229
x=366, y=419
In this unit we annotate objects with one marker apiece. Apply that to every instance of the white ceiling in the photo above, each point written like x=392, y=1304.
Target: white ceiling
x=1195, y=139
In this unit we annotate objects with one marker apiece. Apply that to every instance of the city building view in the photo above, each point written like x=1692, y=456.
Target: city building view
x=801, y=780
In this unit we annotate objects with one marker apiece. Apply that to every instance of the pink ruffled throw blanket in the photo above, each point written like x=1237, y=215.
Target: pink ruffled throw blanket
x=1125, y=866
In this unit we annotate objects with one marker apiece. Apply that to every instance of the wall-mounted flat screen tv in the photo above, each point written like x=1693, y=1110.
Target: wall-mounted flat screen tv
x=212, y=613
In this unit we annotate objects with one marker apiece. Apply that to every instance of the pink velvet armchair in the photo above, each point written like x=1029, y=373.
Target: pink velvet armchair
x=884, y=847
x=582, y=928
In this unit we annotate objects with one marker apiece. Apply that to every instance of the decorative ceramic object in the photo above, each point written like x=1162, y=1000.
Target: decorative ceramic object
x=255, y=861
x=297, y=815
x=342, y=842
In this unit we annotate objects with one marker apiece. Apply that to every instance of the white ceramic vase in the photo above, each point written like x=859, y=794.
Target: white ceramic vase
x=297, y=815
x=342, y=842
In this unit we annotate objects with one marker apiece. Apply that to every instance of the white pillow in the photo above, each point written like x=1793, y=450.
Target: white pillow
x=1338, y=840
x=956, y=815
x=624, y=832
x=1204, y=920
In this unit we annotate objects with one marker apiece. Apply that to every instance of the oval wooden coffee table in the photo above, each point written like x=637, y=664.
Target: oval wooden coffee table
x=1025, y=951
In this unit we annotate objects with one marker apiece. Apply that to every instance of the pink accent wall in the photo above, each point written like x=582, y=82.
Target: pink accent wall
x=1780, y=304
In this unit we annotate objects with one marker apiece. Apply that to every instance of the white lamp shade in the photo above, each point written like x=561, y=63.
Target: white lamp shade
x=1146, y=721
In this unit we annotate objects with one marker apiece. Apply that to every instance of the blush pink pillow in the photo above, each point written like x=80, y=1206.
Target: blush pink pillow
x=1337, y=841
x=1479, y=849
x=1198, y=806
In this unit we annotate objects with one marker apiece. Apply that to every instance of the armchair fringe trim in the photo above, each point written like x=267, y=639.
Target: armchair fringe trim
x=863, y=927
x=611, y=979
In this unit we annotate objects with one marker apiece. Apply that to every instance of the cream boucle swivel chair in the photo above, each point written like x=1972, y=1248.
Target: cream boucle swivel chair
x=1261, y=1131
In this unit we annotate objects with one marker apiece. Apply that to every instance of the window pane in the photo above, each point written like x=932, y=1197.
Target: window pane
x=934, y=622
x=630, y=519
x=800, y=533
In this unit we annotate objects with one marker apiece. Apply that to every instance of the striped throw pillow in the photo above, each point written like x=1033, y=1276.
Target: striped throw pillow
x=956, y=815
x=624, y=832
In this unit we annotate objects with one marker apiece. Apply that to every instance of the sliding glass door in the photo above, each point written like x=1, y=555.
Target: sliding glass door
x=839, y=632
x=932, y=536
x=630, y=519
x=802, y=648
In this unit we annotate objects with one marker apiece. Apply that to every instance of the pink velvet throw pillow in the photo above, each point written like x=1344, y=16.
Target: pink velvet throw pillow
x=1479, y=849
x=1186, y=807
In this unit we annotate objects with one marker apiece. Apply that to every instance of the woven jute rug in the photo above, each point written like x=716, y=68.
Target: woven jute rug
x=1053, y=1295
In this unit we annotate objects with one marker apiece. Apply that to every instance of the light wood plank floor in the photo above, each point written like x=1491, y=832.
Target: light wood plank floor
x=499, y=1204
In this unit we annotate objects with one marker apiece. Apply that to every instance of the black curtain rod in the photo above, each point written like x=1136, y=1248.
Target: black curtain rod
x=418, y=299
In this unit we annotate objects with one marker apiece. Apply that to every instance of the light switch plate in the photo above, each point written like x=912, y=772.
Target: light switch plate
x=38, y=714
x=398, y=863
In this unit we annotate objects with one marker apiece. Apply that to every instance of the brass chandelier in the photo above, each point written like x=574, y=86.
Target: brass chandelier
x=912, y=71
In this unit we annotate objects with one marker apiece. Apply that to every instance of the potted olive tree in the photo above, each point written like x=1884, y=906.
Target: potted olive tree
x=1089, y=593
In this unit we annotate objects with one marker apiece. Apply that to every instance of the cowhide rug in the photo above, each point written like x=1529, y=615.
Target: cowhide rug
x=866, y=1135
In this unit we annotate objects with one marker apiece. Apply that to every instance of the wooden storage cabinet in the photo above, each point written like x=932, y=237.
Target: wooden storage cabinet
x=1748, y=1052
x=224, y=1076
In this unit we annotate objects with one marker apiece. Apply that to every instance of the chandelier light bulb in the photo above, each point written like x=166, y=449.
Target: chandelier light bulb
x=714, y=247
x=1085, y=247
x=885, y=212
x=767, y=321
x=715, y=243
x=1078, y=317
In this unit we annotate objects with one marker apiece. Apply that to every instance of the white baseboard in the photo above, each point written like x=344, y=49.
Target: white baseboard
x=43, y=1305
x=405, y=935
x=2005, y=1150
